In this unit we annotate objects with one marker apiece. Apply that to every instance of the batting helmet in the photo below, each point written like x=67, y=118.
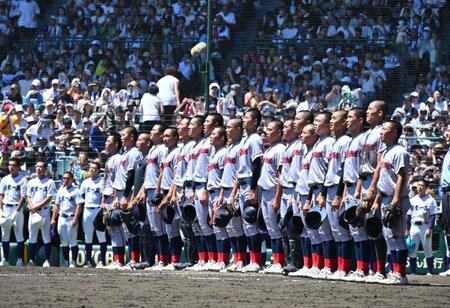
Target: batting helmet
x=295, y=224
x=342, y=222
x=168, y=214
x=350, y=215
x=249, y=213
x=373, y=225
x=157, y=198
x=98, y=222
x=260, y=222
x=188, y=211
x=283, y=222
x=315, y=217
x=139, y=211
x=130, y=222
x=125, y=216
x=54, y=236
x=222, y=217
x=115, y=218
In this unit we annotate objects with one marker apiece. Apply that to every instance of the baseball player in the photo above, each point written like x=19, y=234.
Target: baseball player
x=13, y=188
x=301, y=119
x=112, y=146
x=250, y=162
x=170, y=139
x=91, y=191
x=445, y=216
x=122, y=185
x=369, y=174
x=392, y=194
x=234, y=228
x=181, y=187
x=146, y=242
x=309, y=139
x=216, y=164
x=201, y=130
x=40, y=191
x=324, y=250
x=420, y=221
x=270, y=196
x=154, y=159
x=67, y=212
x=285, y=188
x=352, y=162
x=333, y=178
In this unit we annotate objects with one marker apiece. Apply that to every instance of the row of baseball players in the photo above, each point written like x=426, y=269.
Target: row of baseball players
x=303, y=165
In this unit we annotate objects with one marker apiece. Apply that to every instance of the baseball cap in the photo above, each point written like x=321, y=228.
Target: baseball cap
x=406, y=96
x=214, y=84
x=346, y=79
x=36, y=83
x=414, y=94
x=55, y=81
x=330, y=50
x=95, y=42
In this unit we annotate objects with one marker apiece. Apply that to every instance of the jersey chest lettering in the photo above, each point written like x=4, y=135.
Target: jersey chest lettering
x=267, y=160
x=167, y=165
x=152, y=160
x=243, y=152
x=123, y=162
x=12, y=187
x=180, y=158
x=287, y=160
x=349, y=154
x=386, y=165
x=305, y=166
x=213, y=166
x=297, y=152
x=203, y=151
x=193, y=156
x=230, y=160
x=317, y=154
x=368, y=147
x=333, y=155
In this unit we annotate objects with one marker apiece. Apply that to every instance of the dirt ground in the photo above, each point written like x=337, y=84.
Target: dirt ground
x=56, y=287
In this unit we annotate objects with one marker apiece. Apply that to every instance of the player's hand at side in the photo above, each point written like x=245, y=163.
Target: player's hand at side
x=252, y=197
x=428, y=233
x=321, y=201
x=276, y=205
x=124, y=203
x=336, y=204
x=53, y=222
x=204, y=197
x=375, y=206
x=191, y=195
x=74, y=222
x=307, y=206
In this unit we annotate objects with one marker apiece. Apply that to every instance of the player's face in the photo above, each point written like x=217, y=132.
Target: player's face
x=233, y=131
x=248, y=122
x=195, y=130
x=208, y=126
x=352, y=121
x=41, y=169
x=13, y=168
x=307, y=137
x=299, y=123
x=183, y=128
x=126, y=138
x=273, y=134
x=215, y=138
x=321, y=126
x=288, y=130
x=67, y=180
x=94, y=171
x=387, y=134
x=169, y=140
x=337, y=122
x=372, y=114
x=142, y=142
x=447, y=134
x=155, y=134
x=421, y=188
x=110, y=145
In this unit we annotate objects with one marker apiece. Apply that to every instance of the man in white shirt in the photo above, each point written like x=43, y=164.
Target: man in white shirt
x=169, y=91
x=28, y=14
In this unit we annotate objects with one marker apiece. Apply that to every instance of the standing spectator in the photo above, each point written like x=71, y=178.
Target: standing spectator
x=169, y=91
x=28, y=14
x=151, y=108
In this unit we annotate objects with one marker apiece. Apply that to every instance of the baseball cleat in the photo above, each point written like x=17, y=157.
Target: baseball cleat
x=300, y=273
x=356, y=276
x=31, y=263
x=169, y=267
x=217, y=267
x=313, y=272
x=155, y=268
x=88, y=265
x=72, y=265
x=4, y=263
x=375, y=278
x=114, y=265
x=235, y=267
x=128, y=266
x=337, y=275
x=395, y=278
x=325, y=273
x=46, y=264
x=208, y=265
x=99, y=265
x=251, y=268
x=445, y=274
x=19, y=263
x=273, y=269
x=197, y=267
x=65, y=264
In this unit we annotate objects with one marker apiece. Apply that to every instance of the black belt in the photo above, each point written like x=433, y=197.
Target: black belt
x=188, y=184
x=213, y=190
x=350, y=184
x=418, y=223
x=9, y=205
x=365, y=176
x=316, y=186
x=43, y=208
x=244, y=181
x=227, y=188
x=199, y=184
x=63, y=215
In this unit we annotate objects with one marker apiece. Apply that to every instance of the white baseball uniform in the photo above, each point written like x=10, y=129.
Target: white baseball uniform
x=420, y=211
x=91, y=190
x=67, y=201
x=215, y=173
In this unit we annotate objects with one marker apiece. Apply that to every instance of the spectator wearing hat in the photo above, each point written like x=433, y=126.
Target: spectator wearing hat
x=52, y=94
x=309, y=104
x=440, y=103
x=151, y=107
x=14, y=94
x=432, y=112
x=53, y=29
x=8, y=119
x=408, y=108
x=415, y=101
x=34, y=96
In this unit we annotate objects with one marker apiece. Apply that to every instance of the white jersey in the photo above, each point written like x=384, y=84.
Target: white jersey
x=393, y=159
x=353, y=160
x=181, y=163
x=39, y=189
x=215, y=168
x=231, y=165
x=371, y=145
x=129, y=156
x=286, y=161
x=92, y=191
x=192, y=157
x=335, y=160
x=67, y=199
x=319, y=161
x=13, y=188
x=271, y=163
x=202, y=150
x=251, y=148
x=154, y=159
x=302, y=184
x=296, y=163
x=422, y=208
x=168, y=165
x=111, y=167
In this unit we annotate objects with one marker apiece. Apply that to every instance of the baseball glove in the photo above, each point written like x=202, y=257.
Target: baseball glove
x=391, y=215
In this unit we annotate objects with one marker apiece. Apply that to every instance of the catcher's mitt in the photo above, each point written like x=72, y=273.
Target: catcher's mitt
x=391, y=215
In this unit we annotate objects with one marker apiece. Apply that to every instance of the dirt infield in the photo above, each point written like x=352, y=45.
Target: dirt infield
x=55, y=287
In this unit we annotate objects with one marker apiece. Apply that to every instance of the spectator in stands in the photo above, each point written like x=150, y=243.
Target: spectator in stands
x=28, y=12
